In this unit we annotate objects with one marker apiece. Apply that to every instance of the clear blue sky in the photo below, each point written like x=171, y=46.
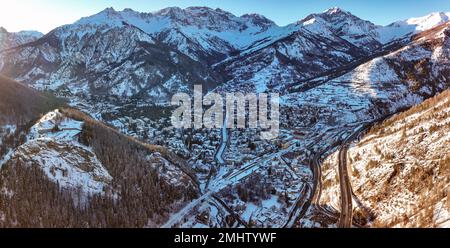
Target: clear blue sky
x=44, y=15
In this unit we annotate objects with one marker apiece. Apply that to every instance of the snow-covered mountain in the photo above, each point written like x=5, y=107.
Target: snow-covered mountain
x=8, y=40
x=319, y=43
x=113, y=53
x=150, y=55
x=334, y=71
x=336, y=21
x=201, y=33
x=298, y=56
x=94, y=59
x=400, y=29
x=401, y=78
x=343, y=24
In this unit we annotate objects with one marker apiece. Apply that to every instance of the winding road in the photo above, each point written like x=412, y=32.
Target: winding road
x=346, y=217
x=303, y=203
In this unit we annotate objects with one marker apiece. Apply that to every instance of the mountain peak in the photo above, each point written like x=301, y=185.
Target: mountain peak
x=109, y=10
x=336, y=10
x=168, y=11
x=336, y=17
x=258, y=20
x=440, y=15
x=336, y=21
x=128, y=10
x=201, y=8
x=424, y=22
x=107, y=16
x=332, y=15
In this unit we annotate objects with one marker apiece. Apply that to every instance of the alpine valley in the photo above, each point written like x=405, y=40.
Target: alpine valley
x=85, y=122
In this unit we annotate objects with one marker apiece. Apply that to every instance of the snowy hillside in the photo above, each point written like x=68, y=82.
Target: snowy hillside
x=400, y=169
x=400, y=29
x=52, y=144
x=401, y=78
x=341, y=23
x=70, y=150
x=9, y=40
x=67, y=160
x=198, y=32
x=125, y=62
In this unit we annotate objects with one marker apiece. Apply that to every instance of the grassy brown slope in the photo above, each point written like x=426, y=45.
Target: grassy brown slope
x=20, y=104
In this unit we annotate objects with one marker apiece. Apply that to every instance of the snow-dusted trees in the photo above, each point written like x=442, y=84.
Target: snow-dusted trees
x=139, y=194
